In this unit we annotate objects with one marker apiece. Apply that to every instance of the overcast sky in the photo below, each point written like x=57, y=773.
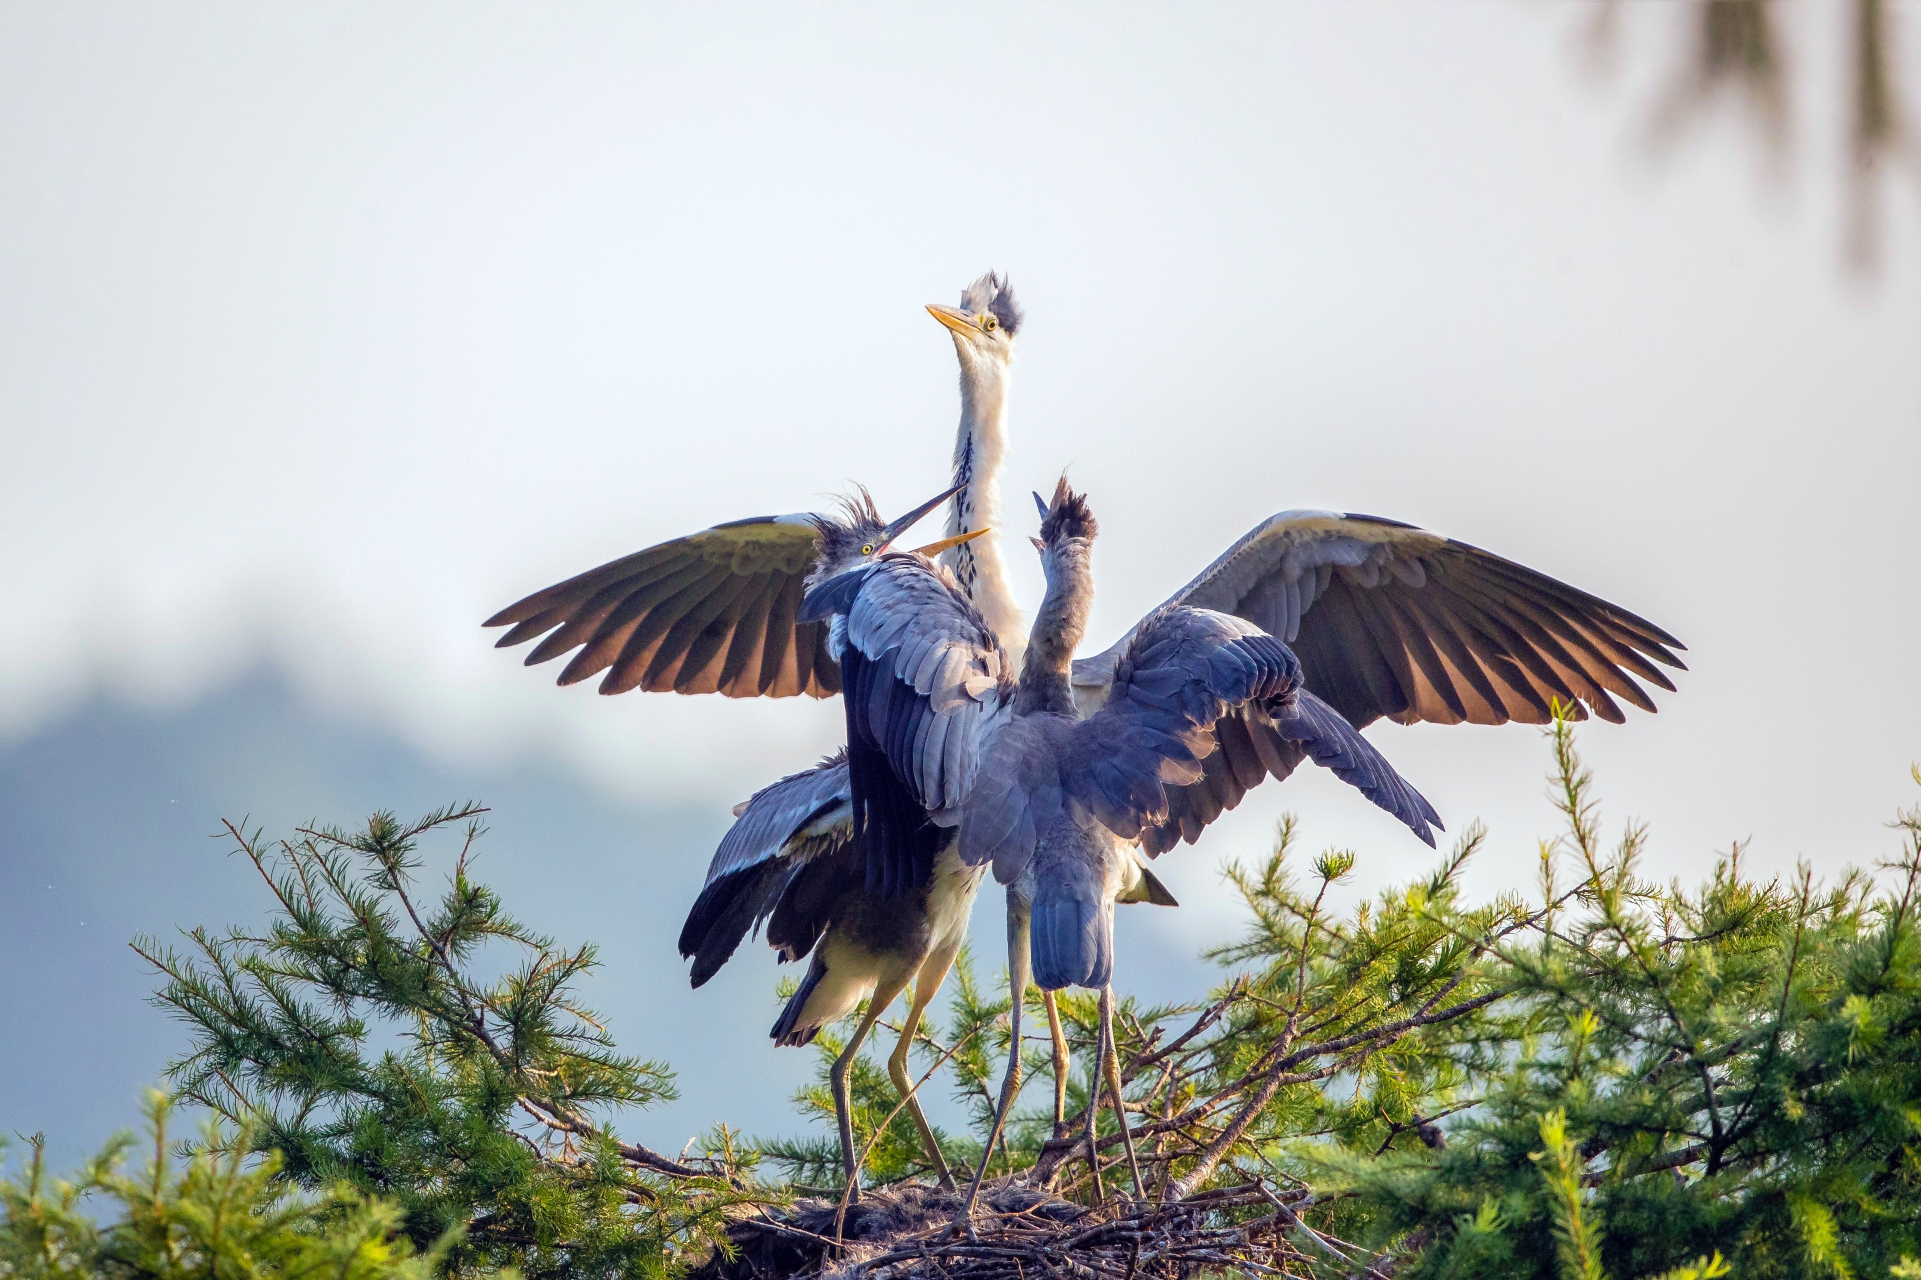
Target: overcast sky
x=327, y=331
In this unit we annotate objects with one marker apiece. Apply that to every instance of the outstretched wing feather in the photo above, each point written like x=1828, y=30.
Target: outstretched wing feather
x=781, y=832
x=1391, y=620
x=662, y=617
x=1175, y=745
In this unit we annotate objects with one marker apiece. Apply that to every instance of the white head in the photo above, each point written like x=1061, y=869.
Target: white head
x=984, y=325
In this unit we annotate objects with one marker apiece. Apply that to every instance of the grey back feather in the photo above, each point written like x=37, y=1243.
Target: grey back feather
x=929, y=639
x=769, y=820
x=1182, y=671
x=1072, y=922
x=925, y=678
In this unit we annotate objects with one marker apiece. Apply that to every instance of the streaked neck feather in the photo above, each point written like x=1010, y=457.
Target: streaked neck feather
x=979, y=448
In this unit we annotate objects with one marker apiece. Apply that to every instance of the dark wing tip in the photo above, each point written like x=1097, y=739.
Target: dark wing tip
x=1392, y=524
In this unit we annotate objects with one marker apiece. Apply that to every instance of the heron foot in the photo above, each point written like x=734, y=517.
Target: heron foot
x=963, y=1222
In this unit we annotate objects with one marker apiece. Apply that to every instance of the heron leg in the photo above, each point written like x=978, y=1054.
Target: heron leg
x=932, y=974
x=1019, y=971
x=1061, y=1063
x=1111, y=1064
x=843, y=1105
x=1094, y=1106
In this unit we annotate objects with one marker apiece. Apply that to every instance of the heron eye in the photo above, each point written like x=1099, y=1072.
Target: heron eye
x=989, y=323
x=867, y=550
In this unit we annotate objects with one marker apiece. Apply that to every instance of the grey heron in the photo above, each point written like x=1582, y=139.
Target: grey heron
x=1386, y=618
x=941, y=734
x=713, y=612
x=858, y=877
x=815, y=893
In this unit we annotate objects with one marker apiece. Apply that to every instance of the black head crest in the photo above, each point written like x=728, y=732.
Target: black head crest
x=836, y=537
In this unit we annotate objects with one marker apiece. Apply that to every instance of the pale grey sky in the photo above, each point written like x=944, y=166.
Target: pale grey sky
x=328, y=331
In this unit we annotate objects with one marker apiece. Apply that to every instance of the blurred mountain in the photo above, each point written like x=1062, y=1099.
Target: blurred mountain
x=108, y=817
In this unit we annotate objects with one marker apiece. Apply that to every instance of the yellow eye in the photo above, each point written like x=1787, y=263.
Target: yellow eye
x=989, y=323
x=867, y=550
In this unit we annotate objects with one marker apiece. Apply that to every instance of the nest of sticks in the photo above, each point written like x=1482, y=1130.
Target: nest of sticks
x=1024, y=1227
x=1022, y=1233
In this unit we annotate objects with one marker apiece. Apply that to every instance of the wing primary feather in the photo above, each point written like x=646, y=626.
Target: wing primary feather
x=681, y=640
x=744, y=649
x=779, y=663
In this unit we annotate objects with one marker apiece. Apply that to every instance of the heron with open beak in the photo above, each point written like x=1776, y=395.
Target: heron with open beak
x=1387, y=620
x=797, y=861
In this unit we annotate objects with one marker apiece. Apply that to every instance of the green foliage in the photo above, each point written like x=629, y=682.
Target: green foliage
x=1611, y=1079
x=355, y=1038
x=1394, y=1004
x=1723, y=1077
x=220, y=1217
x=1577, y=1237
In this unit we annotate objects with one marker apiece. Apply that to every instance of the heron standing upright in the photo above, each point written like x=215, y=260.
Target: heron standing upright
x=1386, y=618
x=862, y=878
x=868, y=941
x=941, y=732
x=715, y=612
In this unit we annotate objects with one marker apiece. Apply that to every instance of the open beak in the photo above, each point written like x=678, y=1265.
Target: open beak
x=912, y=518
x=953, y=317
x=935, y=548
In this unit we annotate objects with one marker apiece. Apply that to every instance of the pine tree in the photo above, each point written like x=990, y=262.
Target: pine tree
x=1608, y=1079
x=221, y=1216
x=1728, y=1076
x=479, y=1120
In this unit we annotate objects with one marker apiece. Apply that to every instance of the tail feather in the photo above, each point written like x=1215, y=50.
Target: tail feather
x=787, y=1029
x=727, y=909
x=1072, y=942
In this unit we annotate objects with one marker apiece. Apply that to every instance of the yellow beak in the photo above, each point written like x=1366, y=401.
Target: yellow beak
x=953, y=317
x=935, y=548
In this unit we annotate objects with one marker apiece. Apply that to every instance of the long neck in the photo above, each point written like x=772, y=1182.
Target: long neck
x=979, y=447
x=1048, y=666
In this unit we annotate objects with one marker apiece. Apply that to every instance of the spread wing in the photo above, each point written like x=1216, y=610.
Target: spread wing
x=923, y=676
x=1391, y=620
x=784, y=848
x=1183, y=675
x=711, y=612
x=1248, y=750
